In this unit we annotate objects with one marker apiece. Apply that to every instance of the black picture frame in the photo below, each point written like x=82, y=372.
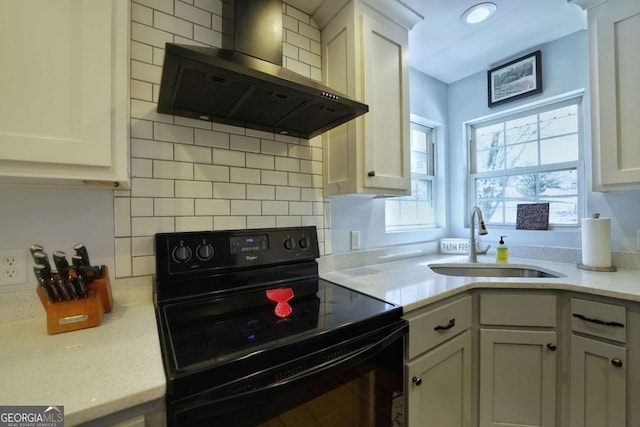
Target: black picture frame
x=516, y=79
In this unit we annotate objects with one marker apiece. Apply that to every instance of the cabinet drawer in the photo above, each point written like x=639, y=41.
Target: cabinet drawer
x=429, y=329
x=599, y=319
x=518, y=310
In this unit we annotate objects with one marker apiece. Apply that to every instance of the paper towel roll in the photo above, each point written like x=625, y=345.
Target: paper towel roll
x=596, y=242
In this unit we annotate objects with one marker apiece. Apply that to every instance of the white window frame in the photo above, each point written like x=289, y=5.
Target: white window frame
x=574, y=97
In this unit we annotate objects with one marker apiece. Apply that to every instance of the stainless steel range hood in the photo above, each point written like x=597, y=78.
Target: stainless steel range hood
x=246, y=85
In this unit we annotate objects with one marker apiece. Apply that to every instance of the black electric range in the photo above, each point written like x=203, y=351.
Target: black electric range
x=220, y=336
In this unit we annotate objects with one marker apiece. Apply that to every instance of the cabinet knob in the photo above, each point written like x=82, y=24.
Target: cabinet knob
x=552, y=347
x=417, y=381
x=371, y=174
x=616, y=362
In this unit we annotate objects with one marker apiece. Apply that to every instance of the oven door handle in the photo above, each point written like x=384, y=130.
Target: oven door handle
x=349, y=360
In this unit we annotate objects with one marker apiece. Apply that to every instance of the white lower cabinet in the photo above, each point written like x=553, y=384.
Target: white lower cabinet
x=440, y=385
x=517, y=378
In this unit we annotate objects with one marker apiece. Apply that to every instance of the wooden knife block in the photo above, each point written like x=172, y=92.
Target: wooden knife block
x=65, y=316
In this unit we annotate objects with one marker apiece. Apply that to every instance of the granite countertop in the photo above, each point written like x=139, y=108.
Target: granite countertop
x=91, y=372
x=411, y=283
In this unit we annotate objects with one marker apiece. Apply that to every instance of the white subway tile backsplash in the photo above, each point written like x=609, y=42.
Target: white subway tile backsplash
x=288, y=193
x=228, y=157
x=300, y=208
x=151, y=36
x=207, y=36
x=141, y=90
x=150, y=149
x=144, y=265
x=244, y=143
x=244, y=175
x=261, y=192
x=163, y=5
x=148, y=226
x=143, y=187
x=193, y=14
x=172, y=170
x=287, y=164
x=261, y=221
x=141, y=168
x=222, y=190
x=122, y=214
x=288, y=221
x=195, y=189
x=141, y=206
x=275, y=208
x=192, y=153
x=229, y=222
x=123, y=257
x=245, y=207
x=211, y=173
x=190, y=174
x=259, y=161
x=141, y=246
x=211, y=138
x=173, y=25
x=194, y=223
x=141, y=52
x=273, y=147
x=173, y=133
x=299, y=179
x=145, y=72
x=274, y=177
x=212, y=207
x=173, y=207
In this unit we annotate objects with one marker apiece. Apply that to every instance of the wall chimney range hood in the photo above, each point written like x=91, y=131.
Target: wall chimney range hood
x=244, y=83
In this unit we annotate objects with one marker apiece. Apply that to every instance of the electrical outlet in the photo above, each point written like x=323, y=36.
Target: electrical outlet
x=355, y=240
x=13, y=267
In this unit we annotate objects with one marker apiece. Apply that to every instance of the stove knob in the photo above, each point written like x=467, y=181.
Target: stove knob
x=181, y=253
x=288, y=244
x=204, y=252
x=303, y=243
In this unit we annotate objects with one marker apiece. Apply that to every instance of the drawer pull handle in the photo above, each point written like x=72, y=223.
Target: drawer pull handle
x=449, y=325
x=417, y=381
x=371, y=174
x=616, y=362
x=552, y=347
x=598, y=321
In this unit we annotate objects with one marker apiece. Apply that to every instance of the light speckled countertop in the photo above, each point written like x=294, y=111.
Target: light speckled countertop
x=92, y=372
x=411, y=283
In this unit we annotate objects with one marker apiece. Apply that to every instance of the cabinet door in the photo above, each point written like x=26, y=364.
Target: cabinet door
x=439, y=384
x=386, y=91
x=517, y=378
x=614, y=31
x=63, y=80
x=598, y=383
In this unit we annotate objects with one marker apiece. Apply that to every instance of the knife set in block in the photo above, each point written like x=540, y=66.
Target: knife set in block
x=64, y=316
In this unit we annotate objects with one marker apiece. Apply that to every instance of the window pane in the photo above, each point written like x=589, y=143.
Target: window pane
x=559, y=183
x=522, y=130
x=559, y=122
x=558, y=150
x=490, y=160
x=563, y=210
x=522, y=155
x=492, y=210
x=489, y=136
x=490, y=188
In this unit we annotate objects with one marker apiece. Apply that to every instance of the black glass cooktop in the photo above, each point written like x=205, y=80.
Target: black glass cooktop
x=213, y=331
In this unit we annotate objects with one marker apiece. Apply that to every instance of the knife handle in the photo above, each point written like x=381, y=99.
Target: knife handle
x=62, y=265
x=36, y=248
x=81, y=250
x=41, y=258
x=42, y=282
x=64, y=290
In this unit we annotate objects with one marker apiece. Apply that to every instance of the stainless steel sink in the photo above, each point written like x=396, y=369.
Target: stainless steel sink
x=492, y=270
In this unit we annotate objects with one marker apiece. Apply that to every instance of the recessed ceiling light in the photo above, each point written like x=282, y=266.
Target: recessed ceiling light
x=478, y=13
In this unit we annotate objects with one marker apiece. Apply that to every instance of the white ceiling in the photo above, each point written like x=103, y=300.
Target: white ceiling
x=448, y=50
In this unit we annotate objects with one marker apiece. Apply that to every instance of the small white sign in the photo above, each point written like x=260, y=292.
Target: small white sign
x=454, y=246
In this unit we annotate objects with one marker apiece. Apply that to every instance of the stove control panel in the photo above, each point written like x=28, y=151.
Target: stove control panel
x=203, y=252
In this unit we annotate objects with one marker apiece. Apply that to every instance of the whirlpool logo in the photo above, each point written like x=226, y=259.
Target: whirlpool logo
x=32, y=416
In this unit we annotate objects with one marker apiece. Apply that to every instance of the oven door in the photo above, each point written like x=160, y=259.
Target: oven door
x=358, y=382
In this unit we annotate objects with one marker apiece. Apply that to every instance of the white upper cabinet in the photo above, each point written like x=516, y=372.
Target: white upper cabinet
x=364, y=54
x=64, y=85
x=614, y=31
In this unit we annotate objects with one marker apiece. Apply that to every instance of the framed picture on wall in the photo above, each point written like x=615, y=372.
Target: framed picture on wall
x=516, y=79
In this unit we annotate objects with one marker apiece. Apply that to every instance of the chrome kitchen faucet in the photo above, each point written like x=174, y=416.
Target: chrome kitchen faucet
x=473, y=251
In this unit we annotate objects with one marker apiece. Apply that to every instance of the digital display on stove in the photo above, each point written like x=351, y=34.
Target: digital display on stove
x=252, y=243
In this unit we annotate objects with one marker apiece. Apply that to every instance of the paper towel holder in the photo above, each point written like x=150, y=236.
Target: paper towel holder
x=601, y=269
